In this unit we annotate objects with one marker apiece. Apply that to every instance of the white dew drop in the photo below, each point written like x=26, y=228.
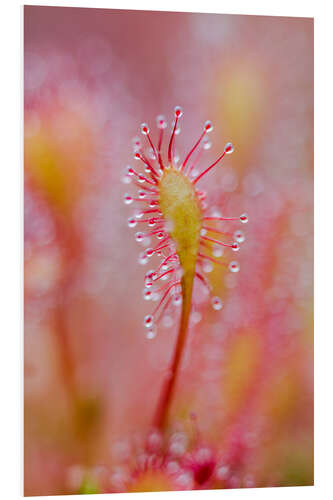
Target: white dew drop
x=151, y=333
x=148, y=321
x=206, y=144
x=141, y=194
x=147, y=294
x=136, y=143
x=234, y=266
x=217, y=250
x=139, y=236
x=148, y=282
x=146, y=241
x=155, y=297
x=177, y=299
x=128, y=199
x=151, y=154
x=222, y=472
x=244, y=218
x=195, y=317
x=126, y=179
x=239, y=236
x=143, y=259
x=217, y=303
x=229, y=148
x=161, y=122
x=131, y=222
x=208, y=126
x=144, y=129
x=207, y=267
x=178, y=111
x=235, y=246
x=177, y=131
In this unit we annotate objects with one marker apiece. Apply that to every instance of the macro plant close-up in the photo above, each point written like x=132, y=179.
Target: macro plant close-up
x=168, y=274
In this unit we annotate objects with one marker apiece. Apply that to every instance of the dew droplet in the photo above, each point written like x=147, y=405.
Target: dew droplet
x=177, y=299
x=148, y=321
x=139, y=236
x=164, y=267
x=208, y=126
x=178, y=111
x=177, y=131
x=195, y=317
x=143, y=259
x=147, y=294
x=126, y=179
x=151, y=333
x=149, y=252
x=141, y=179
x=217, y=303
x=203, y=232
x=155, y=296
x=206, y=144
x=146, y=241
x=160, y=235
x=207, y=267
x=228, y=148
x=217, y=251
x=130, y=171
x=244, y=218
x=234, y=266
x=151, y=154
x=141, y=194
x=136, y=143
x=128, y=199
x=150, y=274
x=144, y=129
x=131, y=222
x=153, y=203
x=239, y=236
x=235, y=246
x=161, y=122
x=151, y=222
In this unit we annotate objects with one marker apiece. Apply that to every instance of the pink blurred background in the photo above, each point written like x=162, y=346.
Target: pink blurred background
x=92, y=379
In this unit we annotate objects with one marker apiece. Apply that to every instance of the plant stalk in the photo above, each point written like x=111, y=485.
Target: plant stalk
x=162, y=412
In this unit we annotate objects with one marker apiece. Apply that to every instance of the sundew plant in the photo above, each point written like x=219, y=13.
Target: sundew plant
x=168, y=266
x=177, y=216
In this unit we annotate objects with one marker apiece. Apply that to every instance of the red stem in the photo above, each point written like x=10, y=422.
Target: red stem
x=162, y=412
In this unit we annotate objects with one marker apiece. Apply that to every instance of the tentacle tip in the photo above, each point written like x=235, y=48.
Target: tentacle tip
x=178, y=112
x=229, y=148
